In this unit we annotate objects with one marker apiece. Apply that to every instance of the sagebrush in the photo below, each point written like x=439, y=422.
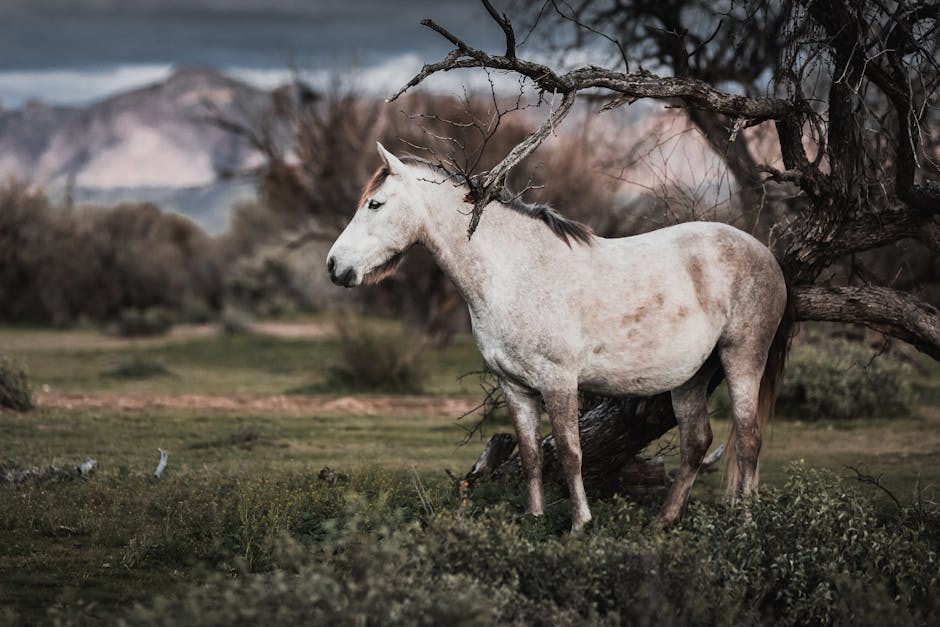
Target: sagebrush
x=15, y=391
x=842, y=379
x=378, y=359
x=813, y=552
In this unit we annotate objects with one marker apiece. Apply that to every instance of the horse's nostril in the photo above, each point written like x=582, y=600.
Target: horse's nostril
x=347, y=278
x=330, y=265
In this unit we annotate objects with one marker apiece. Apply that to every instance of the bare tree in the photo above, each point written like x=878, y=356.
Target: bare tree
x=847, y=89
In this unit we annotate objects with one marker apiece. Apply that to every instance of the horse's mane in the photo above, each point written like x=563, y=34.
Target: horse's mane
x=567, y=230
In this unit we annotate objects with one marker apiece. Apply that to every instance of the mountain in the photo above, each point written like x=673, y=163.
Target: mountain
x=157, y=138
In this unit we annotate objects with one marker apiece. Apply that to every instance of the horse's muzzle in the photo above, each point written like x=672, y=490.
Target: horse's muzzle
x=345, y=278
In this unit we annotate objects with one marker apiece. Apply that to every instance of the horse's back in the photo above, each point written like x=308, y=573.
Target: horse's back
x=656, y=305
x=720, y=263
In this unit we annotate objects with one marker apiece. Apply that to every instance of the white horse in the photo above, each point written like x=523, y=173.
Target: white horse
x=556, y=309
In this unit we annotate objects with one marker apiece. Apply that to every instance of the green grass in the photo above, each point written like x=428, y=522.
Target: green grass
x=217, y=364
x=241, y=480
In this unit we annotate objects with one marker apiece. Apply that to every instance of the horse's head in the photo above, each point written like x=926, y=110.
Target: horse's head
x=385, y=225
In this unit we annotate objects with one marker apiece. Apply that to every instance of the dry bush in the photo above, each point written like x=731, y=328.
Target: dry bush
x=15, y=392
x=376, y=360
x=146, y=322
x=59, y=265
x=841, y=379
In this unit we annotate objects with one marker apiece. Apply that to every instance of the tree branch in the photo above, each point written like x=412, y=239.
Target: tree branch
x=506, y=25
x=883, y=309
x=692, y=92
x=481, y=194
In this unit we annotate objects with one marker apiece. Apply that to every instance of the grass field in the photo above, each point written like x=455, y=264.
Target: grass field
x=245, y=451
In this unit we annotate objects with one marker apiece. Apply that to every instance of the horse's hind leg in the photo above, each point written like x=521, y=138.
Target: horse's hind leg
x=744, y=366
x=690, y=402
x=524, y=408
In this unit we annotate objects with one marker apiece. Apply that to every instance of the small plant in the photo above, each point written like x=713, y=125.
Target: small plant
x=137, y=366
x=235, y=321
x=844, y=379
x=249, y=437
x=145, y=322
x=378, y=361
x=15, y=392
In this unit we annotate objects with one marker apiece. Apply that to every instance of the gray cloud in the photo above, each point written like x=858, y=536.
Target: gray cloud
x=52, y=34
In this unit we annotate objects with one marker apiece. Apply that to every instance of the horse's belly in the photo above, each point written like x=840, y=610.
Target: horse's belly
x=642, y=366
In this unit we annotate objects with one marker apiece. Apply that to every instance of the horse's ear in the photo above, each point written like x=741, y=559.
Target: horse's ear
x=394, y=163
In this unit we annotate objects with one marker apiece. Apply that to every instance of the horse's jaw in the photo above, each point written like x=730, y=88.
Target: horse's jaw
x=385, y=269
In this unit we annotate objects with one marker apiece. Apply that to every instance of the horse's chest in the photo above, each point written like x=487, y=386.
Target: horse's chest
x=515, y=351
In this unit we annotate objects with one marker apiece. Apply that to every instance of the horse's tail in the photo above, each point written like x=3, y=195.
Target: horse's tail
x=767, y=395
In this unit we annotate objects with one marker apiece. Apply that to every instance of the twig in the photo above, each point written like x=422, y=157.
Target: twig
x=422, y=494
x=161, y=466
x=864, y=477
x=492, y=401
x=494, y=181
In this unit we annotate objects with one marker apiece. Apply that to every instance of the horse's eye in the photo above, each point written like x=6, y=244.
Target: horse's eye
x=375, y=204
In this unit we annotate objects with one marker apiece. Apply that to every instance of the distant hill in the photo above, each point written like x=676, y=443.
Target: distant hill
x=156, y=139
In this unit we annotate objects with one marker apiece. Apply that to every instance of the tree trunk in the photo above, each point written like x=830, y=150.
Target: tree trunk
x=613, y=433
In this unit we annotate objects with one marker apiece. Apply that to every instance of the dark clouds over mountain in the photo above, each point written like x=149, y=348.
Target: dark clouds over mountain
x=73, y=36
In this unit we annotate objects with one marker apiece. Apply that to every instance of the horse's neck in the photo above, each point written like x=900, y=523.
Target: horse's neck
x=479, y=266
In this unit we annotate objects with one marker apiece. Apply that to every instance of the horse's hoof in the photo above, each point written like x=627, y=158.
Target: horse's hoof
x=578, y=528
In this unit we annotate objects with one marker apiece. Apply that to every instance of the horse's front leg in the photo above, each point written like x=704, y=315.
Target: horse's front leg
x=524, y=408
x=562, y=406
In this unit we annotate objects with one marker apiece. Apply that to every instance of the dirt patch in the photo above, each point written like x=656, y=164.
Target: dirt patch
x=295, y=329
x=332, y=405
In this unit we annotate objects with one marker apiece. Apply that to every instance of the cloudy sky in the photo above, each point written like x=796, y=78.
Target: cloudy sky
x=76, y=51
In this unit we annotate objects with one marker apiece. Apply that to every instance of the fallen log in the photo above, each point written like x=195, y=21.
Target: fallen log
x=613, y=434
x=13, y=474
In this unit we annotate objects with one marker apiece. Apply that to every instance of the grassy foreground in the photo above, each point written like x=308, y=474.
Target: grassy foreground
x=241, y=527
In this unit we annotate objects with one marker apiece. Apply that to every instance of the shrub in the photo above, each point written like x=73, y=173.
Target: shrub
x=129, y=256
x=844, y=379
x=137, y=366
x=235, y=321
x=810, y=553
x=374, y=360
x=144, y=322
x=265, y=283
x=15, y=392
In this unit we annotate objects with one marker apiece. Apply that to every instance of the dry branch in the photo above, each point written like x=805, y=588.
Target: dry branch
x=161, y=465
x=885, y=310
x=689, y=92
x=11, y=474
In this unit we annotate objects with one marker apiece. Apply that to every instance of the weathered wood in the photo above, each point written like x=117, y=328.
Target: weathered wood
x=638, y=477
x=12, y=474
x=613, y=432
x=497, y=452
x=883, y=309
x=642, y=478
